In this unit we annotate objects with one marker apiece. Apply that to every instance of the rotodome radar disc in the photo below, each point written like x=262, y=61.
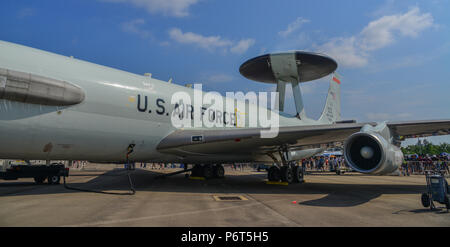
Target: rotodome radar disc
x=310, y=66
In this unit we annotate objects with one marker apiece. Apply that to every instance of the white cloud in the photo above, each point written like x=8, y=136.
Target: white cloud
x=354, y=51
x=210, y=43
x=346, y=51
x=134, y=27
x=242, y=46
x=293, y=26
x=177, y=8
x=382, y=32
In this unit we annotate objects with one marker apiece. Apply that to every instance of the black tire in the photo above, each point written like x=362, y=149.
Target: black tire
x=298, y=174
x=55, y=179
x=208, y=171
x=219, y=171
x=197, y=171
x=287, y=174
x=39, y=180
x=425, y=200
x=273, y=174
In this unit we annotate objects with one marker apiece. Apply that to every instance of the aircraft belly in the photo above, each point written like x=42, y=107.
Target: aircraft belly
x=209, y=159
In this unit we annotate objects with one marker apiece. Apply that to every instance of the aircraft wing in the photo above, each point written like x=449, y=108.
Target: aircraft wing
x=214, y=141
x=413, y=129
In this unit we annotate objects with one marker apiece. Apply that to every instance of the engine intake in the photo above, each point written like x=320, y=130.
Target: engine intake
x=369, y=151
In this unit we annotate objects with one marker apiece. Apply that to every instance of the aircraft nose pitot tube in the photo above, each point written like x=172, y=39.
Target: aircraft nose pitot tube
x=372, y=150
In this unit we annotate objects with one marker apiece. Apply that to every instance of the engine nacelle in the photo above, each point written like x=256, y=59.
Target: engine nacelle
x=371, y=151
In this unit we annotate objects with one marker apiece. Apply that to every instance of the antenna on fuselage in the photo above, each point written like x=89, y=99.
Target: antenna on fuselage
x=292, y=67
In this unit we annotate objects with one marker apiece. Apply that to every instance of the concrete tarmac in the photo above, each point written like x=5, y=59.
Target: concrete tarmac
x=326, y=199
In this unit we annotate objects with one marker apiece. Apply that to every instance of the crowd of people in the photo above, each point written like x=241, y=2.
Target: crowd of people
x=420, y=164
x=316, y=163
x=323, y=163
x=411, y=164
x=160, y=166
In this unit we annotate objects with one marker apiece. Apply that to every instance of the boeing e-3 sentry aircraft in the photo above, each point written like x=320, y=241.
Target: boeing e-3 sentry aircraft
x=54, y=107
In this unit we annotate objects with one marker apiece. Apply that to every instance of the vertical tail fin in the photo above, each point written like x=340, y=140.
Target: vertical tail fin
x=332, y=110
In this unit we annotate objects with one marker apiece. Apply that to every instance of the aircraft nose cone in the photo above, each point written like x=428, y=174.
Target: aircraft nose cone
x=366, y=152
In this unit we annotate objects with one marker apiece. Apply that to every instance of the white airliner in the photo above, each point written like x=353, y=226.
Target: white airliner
x=54, y=107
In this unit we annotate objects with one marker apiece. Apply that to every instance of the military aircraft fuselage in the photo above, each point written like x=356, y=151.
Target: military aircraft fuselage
x=118, y=109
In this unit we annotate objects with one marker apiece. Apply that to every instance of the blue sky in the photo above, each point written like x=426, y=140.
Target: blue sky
x=394, y=56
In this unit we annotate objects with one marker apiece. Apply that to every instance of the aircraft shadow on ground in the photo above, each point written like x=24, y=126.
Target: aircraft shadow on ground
x=337, y=195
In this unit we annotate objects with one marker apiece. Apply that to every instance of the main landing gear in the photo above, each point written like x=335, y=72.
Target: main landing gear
x=208, y=171
x=286, y=171
x=203, y=171
x=290, y=174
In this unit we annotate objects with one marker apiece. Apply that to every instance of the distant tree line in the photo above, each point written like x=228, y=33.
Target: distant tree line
x=426, y=148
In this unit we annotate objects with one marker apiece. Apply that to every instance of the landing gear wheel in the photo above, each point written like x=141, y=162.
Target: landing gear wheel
x=219, y=171
x=273, y=174
x=53, y=179
x=208, y=171
x=196, y=171
x=287, y=174
x=425, y=200
x=298, y=174
x=39, y=180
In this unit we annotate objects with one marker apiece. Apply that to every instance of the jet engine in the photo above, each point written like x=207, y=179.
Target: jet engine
x=372, y=150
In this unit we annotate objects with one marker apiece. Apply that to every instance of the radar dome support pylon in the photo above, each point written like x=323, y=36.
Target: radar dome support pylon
x=292, y=67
